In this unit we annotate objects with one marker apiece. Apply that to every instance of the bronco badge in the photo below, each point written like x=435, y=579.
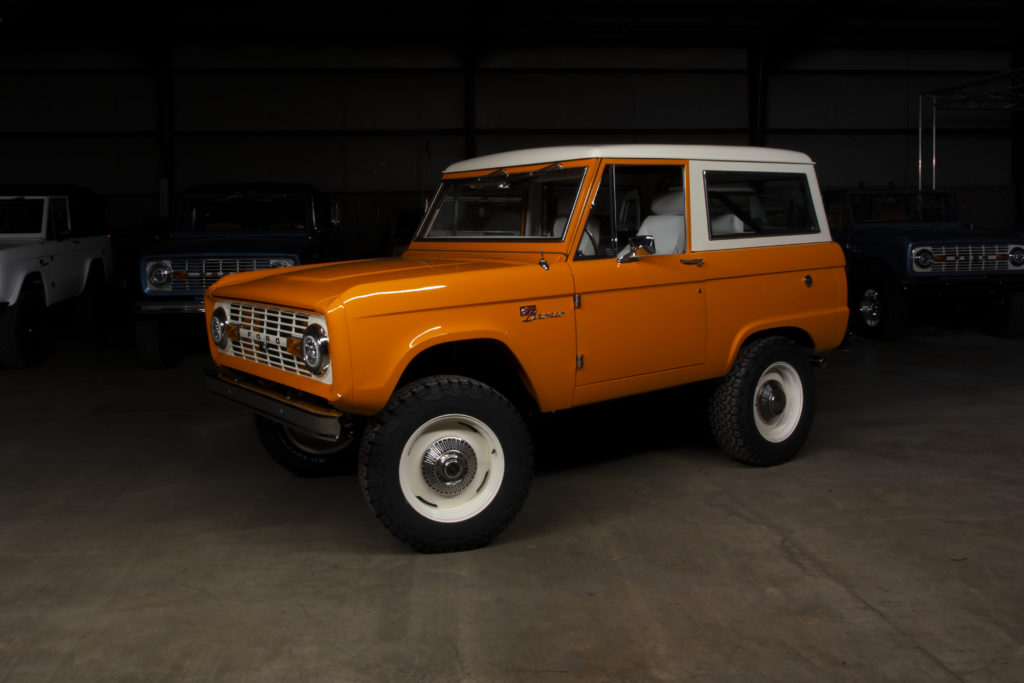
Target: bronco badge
x=529, y=314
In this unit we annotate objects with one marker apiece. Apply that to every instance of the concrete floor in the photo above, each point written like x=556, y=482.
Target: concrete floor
x=144, y=536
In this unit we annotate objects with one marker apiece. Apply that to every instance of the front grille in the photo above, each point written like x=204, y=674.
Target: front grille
x=197, y=274
x=967, y=258
x=264, y=333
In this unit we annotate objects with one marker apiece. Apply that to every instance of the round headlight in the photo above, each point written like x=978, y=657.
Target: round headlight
x=315, y=350
x=159, y=273
x=281, y=263
x=924, y=258
x=1017, y=256
x=219, y=328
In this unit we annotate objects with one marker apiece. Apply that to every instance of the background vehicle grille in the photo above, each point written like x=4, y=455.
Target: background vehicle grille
x=271, y=324
x=970, y=258
x=196, y=274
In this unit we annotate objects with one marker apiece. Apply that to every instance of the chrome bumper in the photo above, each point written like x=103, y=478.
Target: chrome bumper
x=162, y=307
x=296, y=413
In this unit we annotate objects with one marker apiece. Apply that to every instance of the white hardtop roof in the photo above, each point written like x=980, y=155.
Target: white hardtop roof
x=542, y=155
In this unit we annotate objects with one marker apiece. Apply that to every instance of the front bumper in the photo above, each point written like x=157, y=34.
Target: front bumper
x=295, y=412
x=170, y=307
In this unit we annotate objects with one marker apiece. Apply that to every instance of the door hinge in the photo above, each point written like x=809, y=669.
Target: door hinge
x=579, y=362
x=577, y=300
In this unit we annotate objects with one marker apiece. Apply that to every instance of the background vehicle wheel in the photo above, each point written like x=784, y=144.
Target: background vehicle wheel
x=156, y=346
x=761, y=412
x=878, y=309
x=89, y=315
x=447, y=464
x=23, y=332
x=1005, y=316
x=308, y=455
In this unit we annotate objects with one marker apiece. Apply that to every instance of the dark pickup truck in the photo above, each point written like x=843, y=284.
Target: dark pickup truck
x=910, y=257
x=222, y=229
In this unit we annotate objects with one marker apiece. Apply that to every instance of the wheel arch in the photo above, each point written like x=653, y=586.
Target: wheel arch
x=801, y=337
x=32, y=282
x=486, y=360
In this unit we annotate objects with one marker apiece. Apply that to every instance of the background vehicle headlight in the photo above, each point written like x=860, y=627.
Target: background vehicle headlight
x=315, y=352
x=281, y=262
x=1017, y=257
x=159, y=273
x=924, y=258
x=219, y=328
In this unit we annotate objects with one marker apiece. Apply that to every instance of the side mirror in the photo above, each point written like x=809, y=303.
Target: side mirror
x=638, y=243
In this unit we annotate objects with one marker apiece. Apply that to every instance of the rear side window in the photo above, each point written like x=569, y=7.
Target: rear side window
x=752, y=204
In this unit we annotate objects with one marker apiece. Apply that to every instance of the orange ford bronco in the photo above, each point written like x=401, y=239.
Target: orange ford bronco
x=540, y=280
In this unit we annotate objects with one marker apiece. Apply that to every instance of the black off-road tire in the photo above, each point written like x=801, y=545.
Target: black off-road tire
x=306, y=455
x=447, y=464
x=1005, y=316
x=878, y=309
x=24, y=338
x=89, y=314
x=761, y=412
x=157, y=347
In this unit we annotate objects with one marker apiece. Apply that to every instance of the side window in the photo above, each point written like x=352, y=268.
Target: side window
x=751, y=204
x=632, y=200
x=59, y=225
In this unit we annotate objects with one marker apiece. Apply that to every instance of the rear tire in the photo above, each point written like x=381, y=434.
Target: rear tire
x=447, y=464
x=761, y=412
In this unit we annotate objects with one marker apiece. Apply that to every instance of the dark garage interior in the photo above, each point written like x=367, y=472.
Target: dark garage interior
x=146, y=535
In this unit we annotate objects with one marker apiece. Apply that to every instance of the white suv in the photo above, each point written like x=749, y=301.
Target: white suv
x=53, y=248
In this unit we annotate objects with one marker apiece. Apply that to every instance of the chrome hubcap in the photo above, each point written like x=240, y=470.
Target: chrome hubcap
x=771, y=400
x=869, y=307
x=449, y=466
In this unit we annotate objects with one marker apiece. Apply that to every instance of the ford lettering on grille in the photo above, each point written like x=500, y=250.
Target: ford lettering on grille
x=264, y=334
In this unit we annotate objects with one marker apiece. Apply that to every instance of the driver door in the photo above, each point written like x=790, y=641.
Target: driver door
x=645, y=313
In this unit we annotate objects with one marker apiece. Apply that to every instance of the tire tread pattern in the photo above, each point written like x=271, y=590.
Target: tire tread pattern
x=374, y=470
x=730, y=409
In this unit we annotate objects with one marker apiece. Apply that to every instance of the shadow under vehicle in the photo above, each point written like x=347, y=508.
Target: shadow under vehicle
x=222, y=229
x=909, y=257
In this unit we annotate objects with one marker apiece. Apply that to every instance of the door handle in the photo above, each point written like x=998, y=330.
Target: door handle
x=699, y=262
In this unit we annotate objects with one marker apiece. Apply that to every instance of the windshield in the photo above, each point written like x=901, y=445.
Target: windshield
x=502, y=206
x=21, y=215
x=243, y=213
x=903, y=207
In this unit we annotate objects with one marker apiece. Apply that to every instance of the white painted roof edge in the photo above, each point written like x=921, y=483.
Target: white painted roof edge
x=541, y=155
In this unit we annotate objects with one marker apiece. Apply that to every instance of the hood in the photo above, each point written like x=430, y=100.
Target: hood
x=382, y=286
x=245, y=244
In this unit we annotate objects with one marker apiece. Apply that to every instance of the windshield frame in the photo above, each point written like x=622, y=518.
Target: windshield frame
x=526, y=175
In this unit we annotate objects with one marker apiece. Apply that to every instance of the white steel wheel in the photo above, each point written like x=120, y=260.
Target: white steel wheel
x=761, y=411
x=778, y=402
x=447, y=464
x=451, y=468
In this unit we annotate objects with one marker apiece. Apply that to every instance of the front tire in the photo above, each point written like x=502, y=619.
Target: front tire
x=761, y=412
x=156, y=344
x=307, y=455
x=447, y=464
x=24, y=338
